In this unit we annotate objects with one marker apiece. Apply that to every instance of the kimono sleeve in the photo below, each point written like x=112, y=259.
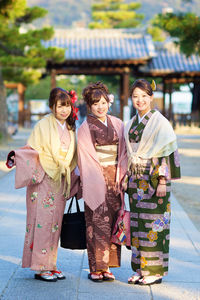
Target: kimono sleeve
x=174, y=162
x=28, y=168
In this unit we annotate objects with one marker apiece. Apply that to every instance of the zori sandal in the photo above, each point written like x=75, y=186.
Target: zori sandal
x=95, y=276
x=134, y=279
x=46, y=276
x=149, y=280
x=108, y=276
x=58, y=274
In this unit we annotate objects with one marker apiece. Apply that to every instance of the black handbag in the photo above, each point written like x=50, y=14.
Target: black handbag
x=73, y=231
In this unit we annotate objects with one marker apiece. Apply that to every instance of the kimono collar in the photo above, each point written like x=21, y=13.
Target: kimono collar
x=141, y=118
x=63, y=126
x=158, y=139
x=104, y=123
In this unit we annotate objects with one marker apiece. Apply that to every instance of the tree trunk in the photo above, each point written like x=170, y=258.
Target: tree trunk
x=3, y=109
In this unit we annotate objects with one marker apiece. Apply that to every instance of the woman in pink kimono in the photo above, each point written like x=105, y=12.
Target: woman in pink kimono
x=102, y=163
x=46, y=166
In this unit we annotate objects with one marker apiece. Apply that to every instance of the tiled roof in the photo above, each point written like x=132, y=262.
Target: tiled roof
x=122, y=45
x=168, y=61
x=98, y=44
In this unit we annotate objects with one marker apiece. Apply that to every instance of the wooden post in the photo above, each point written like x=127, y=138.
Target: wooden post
x=164, y=92
x=121, y=98
x=170, y=102
x=21, y=91
x=124, y=91
x=3, y=108
x=53, y=79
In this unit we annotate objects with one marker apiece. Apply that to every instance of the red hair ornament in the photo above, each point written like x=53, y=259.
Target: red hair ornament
x=73, y=95
x=74, y=98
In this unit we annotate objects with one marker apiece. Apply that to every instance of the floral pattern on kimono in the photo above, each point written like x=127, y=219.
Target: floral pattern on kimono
x=101, y=252
x=45, y=204
x=150, y=215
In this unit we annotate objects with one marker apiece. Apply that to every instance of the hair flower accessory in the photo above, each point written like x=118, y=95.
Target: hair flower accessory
x=73, y=95
x=153, y=85
x=111, y=99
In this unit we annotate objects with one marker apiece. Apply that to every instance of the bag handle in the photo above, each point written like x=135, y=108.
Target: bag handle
x=70, y=205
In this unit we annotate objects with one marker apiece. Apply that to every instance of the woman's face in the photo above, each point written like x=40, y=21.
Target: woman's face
x=141, y=101
x=62, y=112
x=100, y=109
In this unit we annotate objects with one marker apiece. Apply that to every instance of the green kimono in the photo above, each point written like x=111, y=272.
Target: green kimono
x=150, y=215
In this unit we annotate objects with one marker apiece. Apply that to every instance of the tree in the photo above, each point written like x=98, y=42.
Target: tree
x=184, y=27
x=22, y=53
x=115, y=14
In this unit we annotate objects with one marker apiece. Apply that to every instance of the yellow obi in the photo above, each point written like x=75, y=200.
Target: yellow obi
x=107, y=154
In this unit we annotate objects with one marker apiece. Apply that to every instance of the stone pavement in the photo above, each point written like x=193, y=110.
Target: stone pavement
x=183, y=281
x=187, y=189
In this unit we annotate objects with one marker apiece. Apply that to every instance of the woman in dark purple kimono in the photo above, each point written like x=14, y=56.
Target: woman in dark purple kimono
x=103, y=163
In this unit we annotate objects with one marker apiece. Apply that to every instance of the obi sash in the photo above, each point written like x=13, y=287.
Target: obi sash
x=107, y=154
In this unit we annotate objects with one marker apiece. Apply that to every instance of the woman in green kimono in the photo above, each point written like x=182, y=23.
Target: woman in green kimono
x=152, y=162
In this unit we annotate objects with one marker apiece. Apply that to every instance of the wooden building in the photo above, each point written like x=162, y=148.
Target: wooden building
x=122, y=52
x=102, y=52
x=173, y=67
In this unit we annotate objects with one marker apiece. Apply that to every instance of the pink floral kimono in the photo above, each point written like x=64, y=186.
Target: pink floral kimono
x=45, y=204
x=103, y=164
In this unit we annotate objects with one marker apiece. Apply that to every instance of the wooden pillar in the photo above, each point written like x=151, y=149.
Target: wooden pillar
x=164, y=93
x=53, y=79
x=121, y=98
x=3, y=108
x=170, y=101
x=124, y=90
x=21, y=92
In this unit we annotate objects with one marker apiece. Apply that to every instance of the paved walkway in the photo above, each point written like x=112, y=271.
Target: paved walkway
x=183, y=281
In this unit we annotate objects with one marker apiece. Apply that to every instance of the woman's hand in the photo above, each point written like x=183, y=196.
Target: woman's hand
x=10, y=160
x=161, y=190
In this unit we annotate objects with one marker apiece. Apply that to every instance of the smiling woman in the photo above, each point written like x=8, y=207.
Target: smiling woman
x=103, y=164
x=153, y=162
x=46, y=166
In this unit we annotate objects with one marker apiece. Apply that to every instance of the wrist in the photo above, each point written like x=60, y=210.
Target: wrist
x=162, y=180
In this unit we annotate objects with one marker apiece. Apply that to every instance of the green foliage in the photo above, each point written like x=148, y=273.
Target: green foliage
x=63, y=13
x=184, y=27
x=31, y=14
x=115, y=14
x=41, y=89
x=22, y=53
x=11, y=9
x=156, y=33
